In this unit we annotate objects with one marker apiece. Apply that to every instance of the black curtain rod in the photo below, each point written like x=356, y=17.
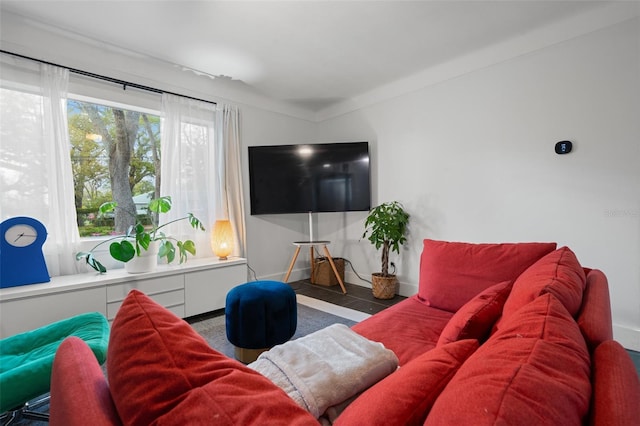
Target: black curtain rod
x=123, y=83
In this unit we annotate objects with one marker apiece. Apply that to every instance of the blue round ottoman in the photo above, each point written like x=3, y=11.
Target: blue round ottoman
x=260, y=315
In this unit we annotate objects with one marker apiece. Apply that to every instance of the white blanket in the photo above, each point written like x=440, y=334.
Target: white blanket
x=327, y=367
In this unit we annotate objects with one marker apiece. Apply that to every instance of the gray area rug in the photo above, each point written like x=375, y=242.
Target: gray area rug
x=309, y=320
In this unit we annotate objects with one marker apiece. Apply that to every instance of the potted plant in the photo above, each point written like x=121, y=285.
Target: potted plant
x=140, y=242
x=386, y=226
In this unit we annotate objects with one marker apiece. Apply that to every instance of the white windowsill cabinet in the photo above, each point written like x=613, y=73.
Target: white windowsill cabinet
x=195, y=287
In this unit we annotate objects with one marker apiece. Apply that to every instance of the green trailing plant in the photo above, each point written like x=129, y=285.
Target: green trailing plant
x=385, y=227
x=138, y=238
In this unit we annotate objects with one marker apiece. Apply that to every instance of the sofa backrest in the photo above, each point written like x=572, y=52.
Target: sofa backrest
x=452, y=273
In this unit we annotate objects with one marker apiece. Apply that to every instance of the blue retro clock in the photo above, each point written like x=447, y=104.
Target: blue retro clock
x=21, y=258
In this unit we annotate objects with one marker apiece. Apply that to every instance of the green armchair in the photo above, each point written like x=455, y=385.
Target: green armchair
x=26, y=360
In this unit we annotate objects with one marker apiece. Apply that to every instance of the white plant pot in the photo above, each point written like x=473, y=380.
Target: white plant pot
x=146, y=262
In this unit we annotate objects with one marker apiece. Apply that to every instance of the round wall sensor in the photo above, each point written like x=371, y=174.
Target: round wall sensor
x=563, y=147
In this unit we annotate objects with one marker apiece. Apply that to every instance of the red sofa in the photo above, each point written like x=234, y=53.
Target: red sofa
x=497, y=334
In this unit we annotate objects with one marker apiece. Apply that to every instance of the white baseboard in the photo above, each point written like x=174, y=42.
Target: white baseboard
x=296, y=275
x=330, y=308
x=407, y=290
x=627, y=337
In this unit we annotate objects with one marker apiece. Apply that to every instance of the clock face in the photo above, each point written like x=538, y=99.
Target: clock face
x=21, y=235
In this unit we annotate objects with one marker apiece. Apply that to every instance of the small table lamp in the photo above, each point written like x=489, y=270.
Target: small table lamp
x=222, y=239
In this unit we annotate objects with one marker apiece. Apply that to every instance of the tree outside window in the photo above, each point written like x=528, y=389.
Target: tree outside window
x=115, y=156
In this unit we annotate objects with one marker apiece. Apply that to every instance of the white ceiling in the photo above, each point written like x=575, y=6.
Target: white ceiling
x=310, y=53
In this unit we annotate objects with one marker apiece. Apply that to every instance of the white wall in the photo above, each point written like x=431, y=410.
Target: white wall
x=472, y=159
x=270, y=237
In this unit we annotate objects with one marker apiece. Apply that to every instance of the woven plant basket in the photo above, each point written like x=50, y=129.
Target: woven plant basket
x=384, y=287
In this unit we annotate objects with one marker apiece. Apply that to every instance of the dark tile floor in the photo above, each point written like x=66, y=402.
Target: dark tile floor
x=357, y=298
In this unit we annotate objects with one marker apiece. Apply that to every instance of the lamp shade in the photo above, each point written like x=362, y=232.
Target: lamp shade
x=222, y=239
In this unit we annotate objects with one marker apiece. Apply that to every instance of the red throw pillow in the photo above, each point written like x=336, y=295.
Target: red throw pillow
x=157, y=363
x=453, y=273
x=533, y=371
x=616, y=387
x=558, y=273
x=406, y=396
x=475, y=319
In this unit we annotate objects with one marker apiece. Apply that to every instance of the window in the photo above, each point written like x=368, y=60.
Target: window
x=57, y=162
x=115, y=155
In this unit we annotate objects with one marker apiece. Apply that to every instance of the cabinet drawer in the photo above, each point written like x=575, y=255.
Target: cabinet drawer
x=206, y=291
x=172, y=300
x=20, y=315
x=150, y=287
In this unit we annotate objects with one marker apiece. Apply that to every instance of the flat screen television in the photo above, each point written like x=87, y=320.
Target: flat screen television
x=325, y=177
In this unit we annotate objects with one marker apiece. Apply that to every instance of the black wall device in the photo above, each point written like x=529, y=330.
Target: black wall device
x=563, y=147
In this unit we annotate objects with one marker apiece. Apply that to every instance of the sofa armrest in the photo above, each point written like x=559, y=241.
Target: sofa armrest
x=616, y=387
x=594, y=317
x=79, y=389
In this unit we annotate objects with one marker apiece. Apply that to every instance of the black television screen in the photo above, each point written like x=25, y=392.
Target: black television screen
x=326, y=177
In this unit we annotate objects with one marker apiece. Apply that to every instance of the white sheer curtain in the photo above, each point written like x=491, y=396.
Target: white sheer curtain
x=36, y=178
x=230, y=173
x=188, y=167
x=201, y=168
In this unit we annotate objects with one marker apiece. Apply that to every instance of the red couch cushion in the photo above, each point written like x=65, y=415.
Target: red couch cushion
x=558, y=273
x=453, y=273
x=476, y=317
x=534, y=370
x=616, y=387
x=409, y=328
x=406, y=396
x=157, y=363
